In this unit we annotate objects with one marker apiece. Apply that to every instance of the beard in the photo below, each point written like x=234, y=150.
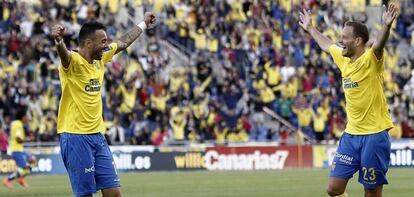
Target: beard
x=347, y=51
x=98, y=55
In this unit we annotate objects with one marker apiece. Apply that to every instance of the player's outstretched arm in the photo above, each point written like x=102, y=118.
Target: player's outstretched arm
x=306, y=23
x=388, y=17
x=64, y=54
x=128, y=38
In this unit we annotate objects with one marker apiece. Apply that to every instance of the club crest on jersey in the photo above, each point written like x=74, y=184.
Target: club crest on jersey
x=93, y=86
x=96, y=65
x=358, y=66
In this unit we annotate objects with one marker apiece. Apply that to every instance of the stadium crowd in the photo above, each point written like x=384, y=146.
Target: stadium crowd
x=244, y=56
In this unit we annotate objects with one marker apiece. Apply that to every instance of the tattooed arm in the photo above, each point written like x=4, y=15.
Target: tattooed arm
x=126, y=40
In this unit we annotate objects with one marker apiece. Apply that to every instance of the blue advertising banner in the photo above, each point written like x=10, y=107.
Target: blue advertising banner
x=159, y=161
x=124, y=161
x=401, y=156
x=46, y=164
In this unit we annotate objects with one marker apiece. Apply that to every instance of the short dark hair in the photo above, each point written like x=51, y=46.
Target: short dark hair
x=88, y=29
x=359, y=30
x=21, y=112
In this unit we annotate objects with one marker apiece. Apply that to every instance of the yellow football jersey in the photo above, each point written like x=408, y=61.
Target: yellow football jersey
x=80, y=109
x=17, y=131
x=362, y=81
x=178, y=127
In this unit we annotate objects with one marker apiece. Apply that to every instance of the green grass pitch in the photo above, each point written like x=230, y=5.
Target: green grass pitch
x=306, y=183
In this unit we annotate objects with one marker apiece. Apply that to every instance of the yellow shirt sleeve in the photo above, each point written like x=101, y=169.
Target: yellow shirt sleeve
x=336, y=54
x=378, y=62
x=72, y=60
x=109, y=52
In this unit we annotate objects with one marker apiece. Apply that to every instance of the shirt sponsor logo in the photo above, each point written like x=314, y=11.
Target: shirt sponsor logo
x=348, y=83
x=93, y=86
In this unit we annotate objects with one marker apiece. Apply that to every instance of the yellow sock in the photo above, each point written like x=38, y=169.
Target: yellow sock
x=23, y=171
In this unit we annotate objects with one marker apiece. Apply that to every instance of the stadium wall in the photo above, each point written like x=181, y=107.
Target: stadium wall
x=135, y=158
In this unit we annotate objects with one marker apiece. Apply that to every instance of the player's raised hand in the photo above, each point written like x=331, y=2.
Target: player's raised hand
x=390, y=14
x=150, y=19
x=58, y=31
x=305, y=20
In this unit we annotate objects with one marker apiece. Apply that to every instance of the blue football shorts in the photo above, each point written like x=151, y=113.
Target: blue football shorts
x=368, y=154
x=89, y=163
x=20, y=158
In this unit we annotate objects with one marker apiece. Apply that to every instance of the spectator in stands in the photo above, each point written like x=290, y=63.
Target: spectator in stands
x=304, y=115
x=193, y=135
x=178, y=123
x=318, y=126
x=3, y=141
x=141, y=137
x=283, y=135
x=128, y=94
x=337, y=125
x=408, y=128
x=138, y=123
x=47, y=128
x=410, y=109
x=259, y=131
x=244, y=55
x=273, y=135
x=116, y=132
x=220, y=132
x=160, y=136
